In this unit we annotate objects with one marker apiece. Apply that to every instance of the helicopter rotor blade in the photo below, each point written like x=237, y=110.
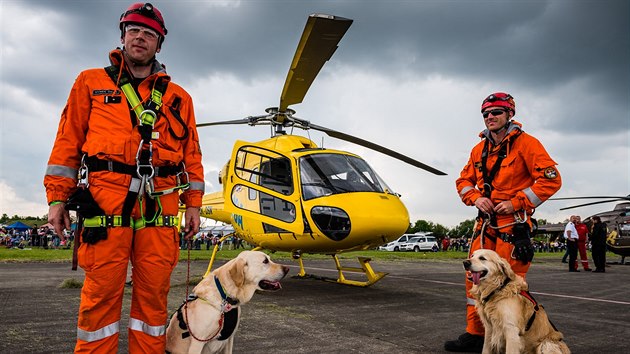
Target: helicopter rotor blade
x=251, y=120
x=595, y=197
x=375, y=147
x=593, y=203
x=318, y=43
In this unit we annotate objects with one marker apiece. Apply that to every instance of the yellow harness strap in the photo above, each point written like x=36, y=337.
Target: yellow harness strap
x=164, y=220
x=117, y=221
x=105, y=221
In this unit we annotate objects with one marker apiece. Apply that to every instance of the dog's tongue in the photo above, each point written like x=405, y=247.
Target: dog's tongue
x=475, y=277
x=270, y=285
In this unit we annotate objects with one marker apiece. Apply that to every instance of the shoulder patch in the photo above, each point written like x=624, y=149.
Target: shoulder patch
x=551, y=173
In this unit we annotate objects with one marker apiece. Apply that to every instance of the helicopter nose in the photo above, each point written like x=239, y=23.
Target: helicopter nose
x=362, y=217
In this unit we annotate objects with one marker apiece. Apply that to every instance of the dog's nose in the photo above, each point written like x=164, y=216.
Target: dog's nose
x=285, y=269
x=467, y=264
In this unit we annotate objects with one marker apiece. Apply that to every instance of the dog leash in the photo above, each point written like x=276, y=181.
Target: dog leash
x=188, y=245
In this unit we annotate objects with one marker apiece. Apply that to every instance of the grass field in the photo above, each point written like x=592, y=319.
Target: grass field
x=36, y=254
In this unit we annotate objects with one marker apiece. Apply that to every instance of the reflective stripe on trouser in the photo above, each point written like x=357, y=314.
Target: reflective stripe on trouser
x=504, y=249
x=153, y=252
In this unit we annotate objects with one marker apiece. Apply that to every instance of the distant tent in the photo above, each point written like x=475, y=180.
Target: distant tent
x=18, y=225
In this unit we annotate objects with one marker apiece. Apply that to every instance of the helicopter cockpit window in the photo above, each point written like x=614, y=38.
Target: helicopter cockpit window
x=265, y=168
x=326, y=174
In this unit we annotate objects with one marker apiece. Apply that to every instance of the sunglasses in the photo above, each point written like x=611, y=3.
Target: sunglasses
x=494, y=112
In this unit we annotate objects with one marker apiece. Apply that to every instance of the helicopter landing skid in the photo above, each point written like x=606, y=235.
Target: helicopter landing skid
x=366, y=269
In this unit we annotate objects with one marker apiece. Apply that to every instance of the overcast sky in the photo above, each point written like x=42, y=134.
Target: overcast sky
x=409, y=75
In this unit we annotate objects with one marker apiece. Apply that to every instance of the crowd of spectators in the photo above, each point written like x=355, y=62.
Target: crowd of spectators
x=462, y=244
x=44, y=237
x=208, y=240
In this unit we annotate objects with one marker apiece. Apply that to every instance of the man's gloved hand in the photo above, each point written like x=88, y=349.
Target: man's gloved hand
x=523, y=248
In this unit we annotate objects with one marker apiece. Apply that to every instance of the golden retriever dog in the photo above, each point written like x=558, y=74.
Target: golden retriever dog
x=208, y=320
x=513, y=321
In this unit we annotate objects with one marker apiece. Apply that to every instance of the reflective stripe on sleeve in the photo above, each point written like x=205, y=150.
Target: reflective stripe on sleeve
x=470, y=301
x=62, y=171
x=465, y=190
x=155, y=331
x=99, y=334
x=533, y=198
x=198, y=186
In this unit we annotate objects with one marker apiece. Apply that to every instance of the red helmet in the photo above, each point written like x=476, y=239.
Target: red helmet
x=500, y=99
x=146, y=15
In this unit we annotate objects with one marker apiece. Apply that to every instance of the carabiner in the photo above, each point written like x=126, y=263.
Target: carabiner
x=518, y=217
x=139, y=165
x=82, y=180
x=144, y=121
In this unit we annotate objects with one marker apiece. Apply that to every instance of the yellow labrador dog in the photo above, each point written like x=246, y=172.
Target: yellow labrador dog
x=513, y=321
x=207, y=321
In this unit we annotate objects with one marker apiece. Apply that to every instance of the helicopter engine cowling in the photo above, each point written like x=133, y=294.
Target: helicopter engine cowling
x=355, y=221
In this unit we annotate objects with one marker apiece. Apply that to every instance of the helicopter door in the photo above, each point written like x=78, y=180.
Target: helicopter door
x=262, y=187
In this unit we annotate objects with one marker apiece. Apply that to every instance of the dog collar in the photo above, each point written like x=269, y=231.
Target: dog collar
x=487, y=298
x=223, y=294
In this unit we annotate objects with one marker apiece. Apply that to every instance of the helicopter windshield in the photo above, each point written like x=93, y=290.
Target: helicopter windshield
x=327, y=174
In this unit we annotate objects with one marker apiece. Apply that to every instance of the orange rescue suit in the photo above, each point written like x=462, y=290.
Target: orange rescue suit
x=527, y=177
x=98, y=121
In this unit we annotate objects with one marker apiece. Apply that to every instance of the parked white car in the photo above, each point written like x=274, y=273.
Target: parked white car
x=420, y=243
x=395, y=245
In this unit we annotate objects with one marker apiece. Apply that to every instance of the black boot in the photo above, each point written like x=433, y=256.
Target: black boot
x=465, y=343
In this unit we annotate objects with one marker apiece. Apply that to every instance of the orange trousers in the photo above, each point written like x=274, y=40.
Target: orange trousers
x=153, y=253
x=504, y=249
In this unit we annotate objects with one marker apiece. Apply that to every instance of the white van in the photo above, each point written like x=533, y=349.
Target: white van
x=395, y=245
x=420, y=243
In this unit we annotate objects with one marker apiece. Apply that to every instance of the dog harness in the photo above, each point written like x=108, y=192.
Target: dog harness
x=227, y=322
x=526, y=295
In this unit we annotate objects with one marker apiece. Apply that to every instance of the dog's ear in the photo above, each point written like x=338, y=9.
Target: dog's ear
x=506, y=268
x=237, y=272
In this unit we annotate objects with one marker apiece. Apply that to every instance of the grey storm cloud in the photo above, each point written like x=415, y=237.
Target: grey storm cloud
x=537, y=43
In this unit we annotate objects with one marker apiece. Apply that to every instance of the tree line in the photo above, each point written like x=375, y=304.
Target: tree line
x=28, y=220
x=464, y=229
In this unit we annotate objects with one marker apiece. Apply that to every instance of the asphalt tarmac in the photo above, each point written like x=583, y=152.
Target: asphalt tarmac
x=417, y=307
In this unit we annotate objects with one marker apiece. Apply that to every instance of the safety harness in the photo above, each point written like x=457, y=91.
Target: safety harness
x=143, y=172
x=488, y=176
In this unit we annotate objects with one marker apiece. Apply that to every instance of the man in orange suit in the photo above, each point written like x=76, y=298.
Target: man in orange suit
x=126, y=154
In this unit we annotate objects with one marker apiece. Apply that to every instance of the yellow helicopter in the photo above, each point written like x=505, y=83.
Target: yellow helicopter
x=287, y=194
